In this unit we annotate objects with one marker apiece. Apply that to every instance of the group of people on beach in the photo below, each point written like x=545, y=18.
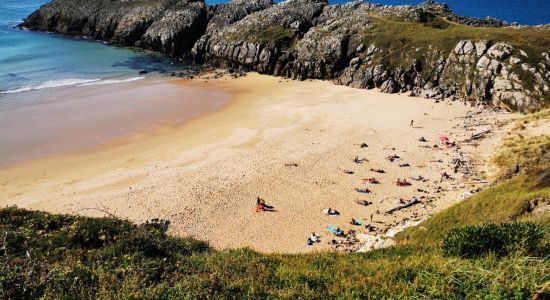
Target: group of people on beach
x=261, y=206
x=401, y=182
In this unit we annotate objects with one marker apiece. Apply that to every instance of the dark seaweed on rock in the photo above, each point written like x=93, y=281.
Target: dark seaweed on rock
x=424, y=50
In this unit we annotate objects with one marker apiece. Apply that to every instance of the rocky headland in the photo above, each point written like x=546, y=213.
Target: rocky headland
x=425, y=50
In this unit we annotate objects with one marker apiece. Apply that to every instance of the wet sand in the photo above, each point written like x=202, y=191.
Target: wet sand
x=49, y=122
x=287, y=142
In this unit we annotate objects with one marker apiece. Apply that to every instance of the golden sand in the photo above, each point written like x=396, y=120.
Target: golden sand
x=204, y=176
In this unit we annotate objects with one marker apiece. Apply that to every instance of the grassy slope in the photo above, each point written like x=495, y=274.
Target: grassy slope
x=399, y=36
x=73, y=257
x=505, y=202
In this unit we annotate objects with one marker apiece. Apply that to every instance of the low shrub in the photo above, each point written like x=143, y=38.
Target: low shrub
x=140, y=261
x=502, y=240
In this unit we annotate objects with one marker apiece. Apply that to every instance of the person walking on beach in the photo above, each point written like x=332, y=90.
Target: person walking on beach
x=412, y=123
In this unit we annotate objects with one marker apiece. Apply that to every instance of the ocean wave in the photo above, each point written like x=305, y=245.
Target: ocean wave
x=113, y=81
x=69, y=82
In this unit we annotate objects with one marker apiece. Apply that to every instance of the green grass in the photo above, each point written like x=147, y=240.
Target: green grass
x=55, y=256
x=523, y=152
x=404, y=38
x=69, y=257
x=271, y=36
x=505, y=202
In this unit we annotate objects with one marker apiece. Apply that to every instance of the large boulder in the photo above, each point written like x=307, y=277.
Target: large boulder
x=257, y=41
x=168, y=26
x=222, y=15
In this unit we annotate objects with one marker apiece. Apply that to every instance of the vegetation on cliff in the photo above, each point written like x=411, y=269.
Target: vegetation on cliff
x=425, y=50
x=57, y=256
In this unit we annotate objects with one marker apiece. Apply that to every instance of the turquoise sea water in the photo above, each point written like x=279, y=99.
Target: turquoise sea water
x=31, y=60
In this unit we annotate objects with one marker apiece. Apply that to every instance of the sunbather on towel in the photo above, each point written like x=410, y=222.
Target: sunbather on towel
x=393, y=158
x=371, y=180
x=419, y=178
x=355, y=222
x=315, y=238
x=336, y=230
x=403, y=182
x=330, y=212
x=446, y=176
x=364, y=191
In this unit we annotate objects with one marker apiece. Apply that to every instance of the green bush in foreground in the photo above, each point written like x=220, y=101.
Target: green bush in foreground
x=68, y=257
x=503, y=239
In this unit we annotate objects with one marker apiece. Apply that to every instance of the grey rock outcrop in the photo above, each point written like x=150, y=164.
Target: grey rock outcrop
x=258, y=41
x=358, y=44
x=222, y=15
x=168, y=26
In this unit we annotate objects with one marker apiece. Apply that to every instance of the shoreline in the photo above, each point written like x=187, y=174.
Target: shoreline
x=204, y=176
x=67, y=120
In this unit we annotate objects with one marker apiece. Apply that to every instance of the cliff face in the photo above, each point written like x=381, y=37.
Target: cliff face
x=424, y=50
x=168, y=26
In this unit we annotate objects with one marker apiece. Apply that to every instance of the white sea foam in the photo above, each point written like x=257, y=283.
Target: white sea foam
x=69, y=82
x=113, y=81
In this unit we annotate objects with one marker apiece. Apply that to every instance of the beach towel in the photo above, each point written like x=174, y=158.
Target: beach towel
x=335, y=230
x=359, y=222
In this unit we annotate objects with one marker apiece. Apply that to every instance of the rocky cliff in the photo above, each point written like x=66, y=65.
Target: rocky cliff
x=424, y=50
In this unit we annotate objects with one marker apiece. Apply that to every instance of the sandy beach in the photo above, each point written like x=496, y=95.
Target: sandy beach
x=288, y=142
x=46, y=122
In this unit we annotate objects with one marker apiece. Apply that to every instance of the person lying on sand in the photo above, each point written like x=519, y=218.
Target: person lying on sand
x=446, y=176
x=364, y=202
x=403, y=182
x=378, y=171
x=349, y=172
x=359, y=161
x=330, y=212
x=261, y=206
x=363, y=191
x=369, y=228
x=450, y=144
x=356, y=222
x=336, y=230
x=315, y=238
x=393, y=158
x=371, y=180
x=404, y=165
x=419, y=178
